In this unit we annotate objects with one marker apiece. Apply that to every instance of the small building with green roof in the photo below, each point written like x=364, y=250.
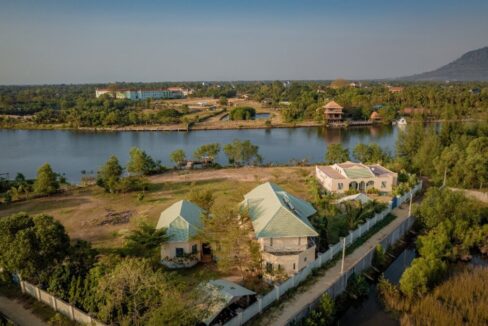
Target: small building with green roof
x=183, y=221
x=281, y=225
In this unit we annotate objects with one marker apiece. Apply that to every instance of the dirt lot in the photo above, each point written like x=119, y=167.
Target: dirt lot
x=91, y=214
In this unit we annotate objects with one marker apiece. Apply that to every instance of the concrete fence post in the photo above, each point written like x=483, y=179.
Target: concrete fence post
x=239, y=315
x=72, y=312
x=54, y=304
x=260, y=304
x=277, y=292
x=22, y=286
x=320, y=263
x=38, y=294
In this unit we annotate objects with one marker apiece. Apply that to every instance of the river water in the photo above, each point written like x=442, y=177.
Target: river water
x=71, y=152
x=370, y=312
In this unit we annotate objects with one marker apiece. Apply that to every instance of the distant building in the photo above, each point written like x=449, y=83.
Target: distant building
x=141, y=94
x=184, y=91
x=341, y=177
x=375, y=117
x=395, y=89
x=415, y=111
x=333, y=112
x=280, y=222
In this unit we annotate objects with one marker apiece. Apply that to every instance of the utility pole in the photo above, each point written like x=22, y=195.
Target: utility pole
x=343, y=254
x=410, y=206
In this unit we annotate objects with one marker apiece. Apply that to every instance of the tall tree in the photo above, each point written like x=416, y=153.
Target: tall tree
x=178, y=157
x=207, y=152
x=145, y=240
x=140, y=163
x=242, y=152
x=234, y=247
x=108, y=177
x=336, y=153
x=32, y=246
x=46, y=181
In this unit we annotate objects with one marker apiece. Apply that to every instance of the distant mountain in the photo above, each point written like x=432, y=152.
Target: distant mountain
x=471, y=66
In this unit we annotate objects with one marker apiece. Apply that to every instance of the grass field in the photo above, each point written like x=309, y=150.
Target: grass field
x=82, y=209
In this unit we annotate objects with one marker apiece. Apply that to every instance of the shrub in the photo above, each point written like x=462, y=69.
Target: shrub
x=242, y=113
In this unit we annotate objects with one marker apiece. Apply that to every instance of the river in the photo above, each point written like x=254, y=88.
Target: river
x=71, y=152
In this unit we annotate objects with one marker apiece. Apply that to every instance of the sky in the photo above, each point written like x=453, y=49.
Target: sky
x=52, y=42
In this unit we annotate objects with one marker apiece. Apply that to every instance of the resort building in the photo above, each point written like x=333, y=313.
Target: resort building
x=184, y=91
x=141, y=94
x=333, y=112
x=341, y=177
x=282, y=228
x=395, y=89
x=183, y=221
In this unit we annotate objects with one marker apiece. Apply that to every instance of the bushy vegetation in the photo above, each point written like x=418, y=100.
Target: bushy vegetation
x=456, y=152
x=117, y=289
x=453, y=226
x=75, y=105
x=461, y=300
x=242, y=113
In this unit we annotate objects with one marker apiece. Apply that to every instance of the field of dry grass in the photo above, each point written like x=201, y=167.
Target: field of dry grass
x=83, y=210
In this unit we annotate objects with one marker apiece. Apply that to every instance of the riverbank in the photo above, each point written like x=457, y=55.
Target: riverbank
x=211, y=125
x=214, y=125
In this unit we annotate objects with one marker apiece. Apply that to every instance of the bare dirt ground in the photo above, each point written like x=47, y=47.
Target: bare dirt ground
x=104, y=219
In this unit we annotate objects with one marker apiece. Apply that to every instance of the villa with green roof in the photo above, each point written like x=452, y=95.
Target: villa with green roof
x=183, y=222
x=281, y=225
x=341, y=177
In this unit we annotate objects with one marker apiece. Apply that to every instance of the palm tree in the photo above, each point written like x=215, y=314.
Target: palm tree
x=145, y=240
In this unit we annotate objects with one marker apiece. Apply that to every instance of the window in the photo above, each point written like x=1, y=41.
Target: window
x=383, y=184
x=305, y=259
x=194, y=249
x=299, y=241
x=340, y=186
x=269, y=267
x=270, y=242
x=179, y=252
x=294, y=266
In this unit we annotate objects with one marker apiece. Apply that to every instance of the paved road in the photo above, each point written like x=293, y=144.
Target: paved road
x=18, y=314
x=300, y=300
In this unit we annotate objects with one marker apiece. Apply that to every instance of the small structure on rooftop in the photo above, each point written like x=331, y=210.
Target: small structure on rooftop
x=341, y=177
x=183, y=221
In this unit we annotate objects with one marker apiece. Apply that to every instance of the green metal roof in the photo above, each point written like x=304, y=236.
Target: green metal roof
x=356, y=172
x=182, y=219
x=276, y=213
